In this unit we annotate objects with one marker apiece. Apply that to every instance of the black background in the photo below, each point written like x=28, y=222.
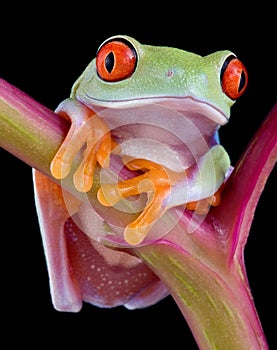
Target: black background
x=43, y=51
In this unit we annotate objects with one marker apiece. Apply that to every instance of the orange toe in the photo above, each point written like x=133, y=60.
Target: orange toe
x=155, y=182
x=136, y=231
x=93, y=133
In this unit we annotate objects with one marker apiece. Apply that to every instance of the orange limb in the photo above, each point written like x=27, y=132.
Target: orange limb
x=92, y=132
x=155, y=181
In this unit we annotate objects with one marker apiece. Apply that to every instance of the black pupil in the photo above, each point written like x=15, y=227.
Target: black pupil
x=225, y=65
x=109, y=62
x=242, y=81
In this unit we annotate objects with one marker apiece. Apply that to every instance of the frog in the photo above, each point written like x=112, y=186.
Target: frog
x=159, y=110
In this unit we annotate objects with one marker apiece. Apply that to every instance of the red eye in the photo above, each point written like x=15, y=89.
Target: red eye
x=116, y=60
x=234, y=77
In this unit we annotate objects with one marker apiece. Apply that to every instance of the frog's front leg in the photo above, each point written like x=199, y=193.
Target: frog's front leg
x=155, y=181
x=86, y=128
x=198, y=188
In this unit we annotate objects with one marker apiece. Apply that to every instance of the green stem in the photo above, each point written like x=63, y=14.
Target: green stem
x=32, y=133
x=217, y=306
x=29, y=130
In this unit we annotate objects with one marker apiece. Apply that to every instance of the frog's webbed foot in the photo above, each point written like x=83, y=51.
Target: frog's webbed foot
x=86, y=129
x=155, y=182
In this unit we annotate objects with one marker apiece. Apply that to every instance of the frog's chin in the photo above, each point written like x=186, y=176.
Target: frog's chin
x=184, y=105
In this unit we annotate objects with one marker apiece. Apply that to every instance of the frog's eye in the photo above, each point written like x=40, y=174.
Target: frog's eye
x=116, y=60
x=233, y=77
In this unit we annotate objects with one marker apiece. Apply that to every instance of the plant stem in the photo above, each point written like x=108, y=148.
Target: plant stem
x=32, y=132
x=217, y=307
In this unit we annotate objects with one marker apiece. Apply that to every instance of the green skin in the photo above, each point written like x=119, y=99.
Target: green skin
x=194, y=76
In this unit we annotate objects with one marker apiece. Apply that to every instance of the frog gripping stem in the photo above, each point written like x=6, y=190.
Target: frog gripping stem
x=93, y=132
x=155, y=182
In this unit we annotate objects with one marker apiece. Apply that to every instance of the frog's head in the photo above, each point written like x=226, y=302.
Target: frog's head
x=128, y=74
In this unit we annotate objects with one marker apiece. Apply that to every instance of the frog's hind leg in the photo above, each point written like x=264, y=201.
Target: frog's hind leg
x=53, y=211
x=202, y=206
x=155, y=181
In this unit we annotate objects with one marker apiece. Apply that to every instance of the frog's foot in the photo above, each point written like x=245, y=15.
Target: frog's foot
x=202, y=206
x=155, y=182
x=93, y=132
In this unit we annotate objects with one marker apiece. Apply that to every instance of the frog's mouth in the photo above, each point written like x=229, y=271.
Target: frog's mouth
x=173, y=132
x=185, y=104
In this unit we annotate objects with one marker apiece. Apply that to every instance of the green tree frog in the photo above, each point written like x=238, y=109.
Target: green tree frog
x=157, y=109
